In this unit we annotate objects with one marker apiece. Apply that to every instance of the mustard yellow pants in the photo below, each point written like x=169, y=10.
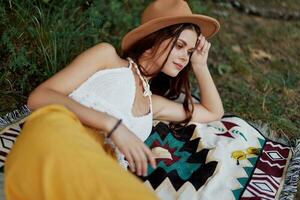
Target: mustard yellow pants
x=56, y=157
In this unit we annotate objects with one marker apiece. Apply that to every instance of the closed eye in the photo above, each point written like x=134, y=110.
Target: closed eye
x=179, y=46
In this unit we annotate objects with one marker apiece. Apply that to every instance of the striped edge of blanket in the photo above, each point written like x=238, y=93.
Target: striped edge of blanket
x=14, y=116
x=292, y=176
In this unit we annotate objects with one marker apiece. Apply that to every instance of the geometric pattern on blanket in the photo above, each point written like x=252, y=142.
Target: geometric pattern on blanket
x=197, y=162
x=184, y=163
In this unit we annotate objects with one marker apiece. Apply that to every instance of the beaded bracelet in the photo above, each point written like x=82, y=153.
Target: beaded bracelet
x=114, y=128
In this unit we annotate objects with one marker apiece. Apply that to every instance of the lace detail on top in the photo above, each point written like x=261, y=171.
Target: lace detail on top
x=113, y=91
x=146, y=85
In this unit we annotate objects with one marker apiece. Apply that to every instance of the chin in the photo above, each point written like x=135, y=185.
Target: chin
x=172, y=74
x=171, y=71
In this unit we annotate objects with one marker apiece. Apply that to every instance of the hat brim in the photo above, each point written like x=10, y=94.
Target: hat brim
x=209, y=27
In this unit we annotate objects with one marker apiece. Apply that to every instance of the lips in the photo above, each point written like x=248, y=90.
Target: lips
x=179, y=66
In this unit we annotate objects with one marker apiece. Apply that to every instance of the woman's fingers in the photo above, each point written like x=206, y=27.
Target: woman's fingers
x=135, y=151
x=146, y=155
x=201, y=43
x=150, y=156
x=205, y=48
x=137, y=161
x=130, y=160
x=141, y=154
x=144, y=162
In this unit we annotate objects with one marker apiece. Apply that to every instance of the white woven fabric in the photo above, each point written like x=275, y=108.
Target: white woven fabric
x=113, y=91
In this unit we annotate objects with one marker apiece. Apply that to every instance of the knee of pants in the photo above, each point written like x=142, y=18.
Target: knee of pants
x=52, y=109
x=52, y=118
x=51, y=129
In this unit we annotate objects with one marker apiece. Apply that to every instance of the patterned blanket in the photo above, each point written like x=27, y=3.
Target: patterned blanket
x=226, y=159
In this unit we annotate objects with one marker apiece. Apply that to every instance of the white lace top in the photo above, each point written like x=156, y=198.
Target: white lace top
x=113, y=91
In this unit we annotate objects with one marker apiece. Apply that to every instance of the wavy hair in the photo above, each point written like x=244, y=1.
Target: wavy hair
x=160, y=83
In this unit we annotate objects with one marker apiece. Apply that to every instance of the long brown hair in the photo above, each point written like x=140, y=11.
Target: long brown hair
x=162, y=84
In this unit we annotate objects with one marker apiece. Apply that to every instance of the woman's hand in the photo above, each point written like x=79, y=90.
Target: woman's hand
x=135, y=151
x=199, y=56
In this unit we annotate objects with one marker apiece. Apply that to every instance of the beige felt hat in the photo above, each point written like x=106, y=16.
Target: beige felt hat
x=162, y=13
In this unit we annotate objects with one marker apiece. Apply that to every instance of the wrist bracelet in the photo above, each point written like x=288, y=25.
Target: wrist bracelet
x=114, y=128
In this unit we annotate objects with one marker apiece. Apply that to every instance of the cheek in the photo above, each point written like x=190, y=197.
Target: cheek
x=160, y=60
x=175, y=52
x=173, y=55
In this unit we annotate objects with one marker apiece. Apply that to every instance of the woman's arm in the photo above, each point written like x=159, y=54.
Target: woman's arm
x=169, y=110
x=209, y=109
x=55, y=90
x=96, y=119
x=210, y=98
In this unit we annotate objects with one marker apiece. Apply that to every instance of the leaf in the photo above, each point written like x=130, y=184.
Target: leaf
x=259, y=54
x=224, y=68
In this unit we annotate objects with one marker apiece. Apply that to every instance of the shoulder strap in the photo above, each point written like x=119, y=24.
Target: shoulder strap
x=146, y=86
x=130, y=62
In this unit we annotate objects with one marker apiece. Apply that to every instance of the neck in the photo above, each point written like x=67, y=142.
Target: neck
x=146, y=63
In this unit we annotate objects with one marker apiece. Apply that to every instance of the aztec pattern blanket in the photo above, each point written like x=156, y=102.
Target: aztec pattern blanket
x=226, y=159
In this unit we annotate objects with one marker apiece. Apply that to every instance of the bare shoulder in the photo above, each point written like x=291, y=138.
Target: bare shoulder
x=107, y=56
x=96, y=58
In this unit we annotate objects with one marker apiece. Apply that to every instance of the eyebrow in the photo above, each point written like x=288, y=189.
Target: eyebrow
x=184, y=42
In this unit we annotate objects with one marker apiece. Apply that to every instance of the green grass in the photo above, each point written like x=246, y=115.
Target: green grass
x=265, y=87
x=41, y=37
x=254, y=61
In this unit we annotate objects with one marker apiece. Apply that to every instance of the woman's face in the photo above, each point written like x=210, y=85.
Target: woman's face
x=179, y=55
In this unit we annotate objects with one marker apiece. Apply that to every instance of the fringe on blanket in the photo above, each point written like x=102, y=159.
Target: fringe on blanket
x=14, y=116
x=289, y=189
x=264, y=129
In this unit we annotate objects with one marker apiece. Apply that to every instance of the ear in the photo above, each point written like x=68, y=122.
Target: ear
x=149, y=51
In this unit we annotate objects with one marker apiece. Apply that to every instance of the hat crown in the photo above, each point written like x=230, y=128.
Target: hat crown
x=165, y=8
x=163, y=13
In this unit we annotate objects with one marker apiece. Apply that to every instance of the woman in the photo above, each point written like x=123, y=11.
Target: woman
x=101, y=91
